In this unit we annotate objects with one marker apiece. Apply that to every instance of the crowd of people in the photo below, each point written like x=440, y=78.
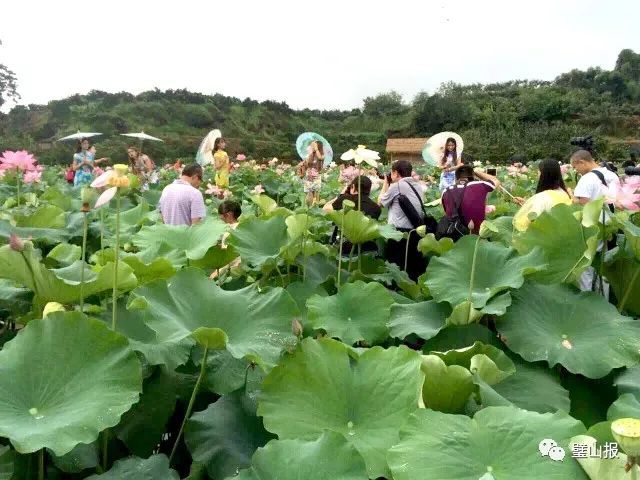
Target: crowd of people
x=464, y=193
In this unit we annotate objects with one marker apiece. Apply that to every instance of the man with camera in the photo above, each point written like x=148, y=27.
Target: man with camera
x=404, y=197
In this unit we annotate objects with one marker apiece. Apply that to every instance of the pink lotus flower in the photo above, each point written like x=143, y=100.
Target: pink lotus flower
x=489, y=209
x=624, y=196
x=273, y=161
x=257, y=190
x=633, y=180
x=565, y=168
x=32, y=176
x=241, y=157
x=20, y=160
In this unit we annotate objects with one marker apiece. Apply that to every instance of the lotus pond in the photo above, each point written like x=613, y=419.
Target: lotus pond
x=121, y=359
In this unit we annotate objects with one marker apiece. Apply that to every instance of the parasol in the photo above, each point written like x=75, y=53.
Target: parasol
x=433, y=150
x=204, y=156
x=304, y=141
x=79, y=135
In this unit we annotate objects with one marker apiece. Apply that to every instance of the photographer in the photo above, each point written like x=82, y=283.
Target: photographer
x=367, y=206
x=400, y=194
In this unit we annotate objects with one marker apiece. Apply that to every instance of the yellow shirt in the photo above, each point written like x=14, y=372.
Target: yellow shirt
x=539, y=203
x=223, y=166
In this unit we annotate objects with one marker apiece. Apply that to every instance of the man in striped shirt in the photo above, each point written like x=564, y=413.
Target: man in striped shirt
x=181, y=202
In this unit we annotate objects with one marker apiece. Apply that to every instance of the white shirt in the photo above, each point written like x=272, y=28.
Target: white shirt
x=589, y=186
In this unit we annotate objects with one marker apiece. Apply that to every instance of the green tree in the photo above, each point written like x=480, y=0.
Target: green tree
x=389, y=103
x=8, y=84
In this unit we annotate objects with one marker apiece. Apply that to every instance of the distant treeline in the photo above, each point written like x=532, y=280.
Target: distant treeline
x=533, y=118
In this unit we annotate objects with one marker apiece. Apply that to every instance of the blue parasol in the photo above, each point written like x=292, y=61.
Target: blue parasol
x=304, y=141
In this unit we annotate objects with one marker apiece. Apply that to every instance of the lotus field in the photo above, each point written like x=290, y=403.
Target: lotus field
x=120, y=358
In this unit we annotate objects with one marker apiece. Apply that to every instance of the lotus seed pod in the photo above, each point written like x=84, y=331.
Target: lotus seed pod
x=52, y=307
x=421, y=230
x=626, y=431
x=121, y=169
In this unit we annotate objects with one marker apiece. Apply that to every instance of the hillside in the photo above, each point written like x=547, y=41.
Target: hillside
x=534, y=118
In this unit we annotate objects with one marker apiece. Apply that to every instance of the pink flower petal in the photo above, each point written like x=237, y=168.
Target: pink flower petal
x=102, y=180
x=106, y=197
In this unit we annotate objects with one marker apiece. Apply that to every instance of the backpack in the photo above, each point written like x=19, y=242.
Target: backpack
x=412, y=214
x=454, y=227
x=611, y=244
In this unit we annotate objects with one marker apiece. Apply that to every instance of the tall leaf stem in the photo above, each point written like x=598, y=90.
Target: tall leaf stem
x=114, y=293
x=84, y=256
x=472, y=278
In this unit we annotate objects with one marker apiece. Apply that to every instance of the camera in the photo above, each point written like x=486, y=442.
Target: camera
x=586, y=142
x=382, y=175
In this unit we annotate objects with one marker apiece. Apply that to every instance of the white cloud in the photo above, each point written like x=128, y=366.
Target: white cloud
x=317, y=54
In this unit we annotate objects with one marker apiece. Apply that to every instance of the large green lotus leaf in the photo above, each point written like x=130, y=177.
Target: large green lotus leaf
x=328, y=457
x=224, y=373
x=388, y=273
x=258, y=241
x=299, y=225
x=46, y=216
x=460, y=336
x=7, y=457
x=26, y=269
x=356, y=226
x=389, y=232
x=629, y=381
x=568, y=246
x=499, y=443
x=498, y=230
x=446, y=388
x=63, y=380
x=14, y=299
x=632, y=236
x=55, y=196
x=48, y=236
x=602, y=468
x=322, y=387
x=215, y=258
x=226, y=434
x=159, y=268
x=132, y=324
x=626, y=406
x=623, y=273
x=295, y=249
x=301, y=292
x=358, y=312
x=246, y=322
x=155, y=467
x=491, y=364
x=141, y=428
x=194, y=240
x=65, y=254
x=476, y=270
x=532, y=387
x=428, y=245
x=581, y=331
x=424, y=319
x=83, y=456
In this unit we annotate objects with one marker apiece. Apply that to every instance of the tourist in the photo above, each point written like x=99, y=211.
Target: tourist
x=402, y=184
x=142, y=166
x=229, y=212
x=310, y=170
x=471, y=194
x=367, y=206
x=181, y=202
x=449, y=163
x=221, y=163
x=83, y=163
x=593, y=184
x=550, y=192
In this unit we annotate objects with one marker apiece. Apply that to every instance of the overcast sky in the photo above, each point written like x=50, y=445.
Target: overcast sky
x=316, y=54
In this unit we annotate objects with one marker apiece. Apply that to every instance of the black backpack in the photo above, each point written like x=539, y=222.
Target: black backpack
x=613, y=243
x=412, y=214
x=454, y=227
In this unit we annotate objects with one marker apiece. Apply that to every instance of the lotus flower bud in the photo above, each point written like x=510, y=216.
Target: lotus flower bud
x=296, y=327
x=16, y=243
x=626, y=431
x=421, y=230
x=52, y=307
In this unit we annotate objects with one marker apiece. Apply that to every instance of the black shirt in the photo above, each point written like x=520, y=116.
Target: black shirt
x=369, y=207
